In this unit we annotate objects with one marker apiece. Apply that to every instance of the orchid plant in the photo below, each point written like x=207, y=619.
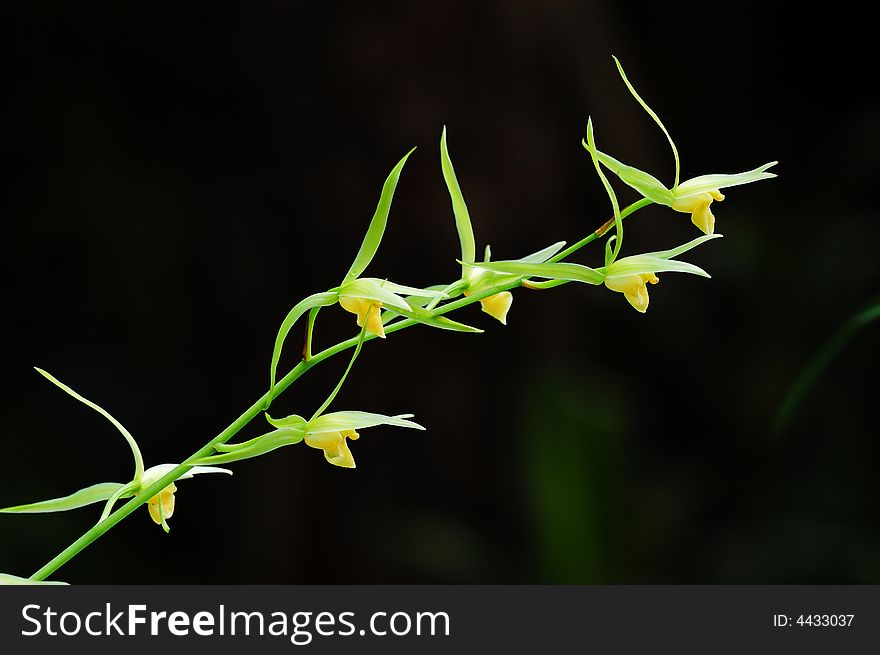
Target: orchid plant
x=383, y=307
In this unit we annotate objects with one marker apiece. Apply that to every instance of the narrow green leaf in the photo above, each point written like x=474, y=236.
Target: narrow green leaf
x=704, y=183
x=95, y=494
x=559, y=271
x=352, y=420
x=315, y=300
x=373, y=238
x=7, y=579
x=459, y=207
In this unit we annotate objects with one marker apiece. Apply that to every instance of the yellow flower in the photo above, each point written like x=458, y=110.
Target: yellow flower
x=634, y=288
x=496, y=305
x=367, y=311
x=335, y=446
x=327, y=432
x=699, y=207
x=632, y=275
x=161, y=505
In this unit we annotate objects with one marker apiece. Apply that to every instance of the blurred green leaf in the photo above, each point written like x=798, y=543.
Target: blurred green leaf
x=820, y=362
x=353, y=420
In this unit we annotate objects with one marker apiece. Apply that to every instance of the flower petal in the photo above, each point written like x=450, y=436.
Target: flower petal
x=644, y=264
x=354, y=420
x=705, y=183
x=160, y=470
x=675, y=252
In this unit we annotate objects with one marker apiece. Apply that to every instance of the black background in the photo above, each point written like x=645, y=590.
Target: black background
x=181, y=175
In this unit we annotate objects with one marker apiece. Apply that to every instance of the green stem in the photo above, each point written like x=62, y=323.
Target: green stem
x=631, y=209
x=254, y=410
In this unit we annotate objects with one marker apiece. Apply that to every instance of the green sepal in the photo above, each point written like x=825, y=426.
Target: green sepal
x=675, y=252
x=97, y=493
x=385, y=292
x=253, y=448
x=645, y=183
x=459, y=207
x=353, y=420
x=538, y=257
x=558, y=271
x=639, y=264
x=14, y=580
x=292, y=421
x=373, y=237
x=315, y=300
x=704, y=183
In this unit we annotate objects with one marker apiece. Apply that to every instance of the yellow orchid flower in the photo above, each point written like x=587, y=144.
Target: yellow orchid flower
x=368, y=312
x=335, y=446
x=698, y=207
x=632, y=275
x=328, y=432
x=691, y=197
x=634, y=288
x=160, y=506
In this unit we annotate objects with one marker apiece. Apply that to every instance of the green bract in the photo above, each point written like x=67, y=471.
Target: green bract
x=459, y=207
x=373, y=238
x=312, y=302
